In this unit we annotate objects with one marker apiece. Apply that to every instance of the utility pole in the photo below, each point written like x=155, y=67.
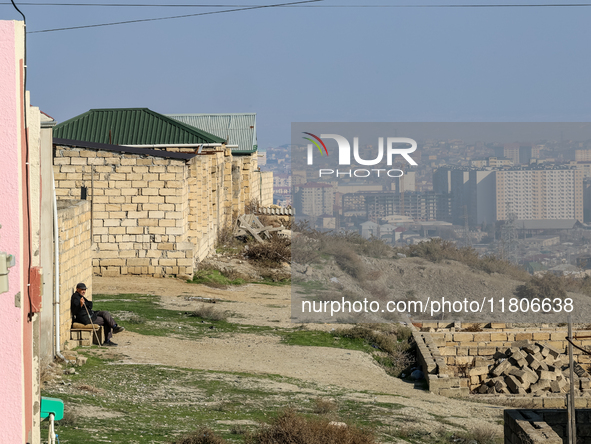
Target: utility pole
x=466, y=231
x=509, y=236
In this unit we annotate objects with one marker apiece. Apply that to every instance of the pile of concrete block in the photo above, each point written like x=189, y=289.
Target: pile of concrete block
x=527, y=367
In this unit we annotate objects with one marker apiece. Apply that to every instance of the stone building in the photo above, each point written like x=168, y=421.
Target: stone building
x=157, y=206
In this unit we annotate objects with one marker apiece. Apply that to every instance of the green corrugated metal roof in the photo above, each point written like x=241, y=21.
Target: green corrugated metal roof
x=131, y=126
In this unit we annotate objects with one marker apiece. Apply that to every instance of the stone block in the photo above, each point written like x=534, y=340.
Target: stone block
x=541, y=336
x=486, y=351
x=531, y=349
x=497, y=325
x=463, y=337
x=541, y=385
x=513, y=383
x=483, y=389
x=542, y=374
x=523, y=336
x=500, y=385
x=554, y=403
x=501, y=368
x=477, y=371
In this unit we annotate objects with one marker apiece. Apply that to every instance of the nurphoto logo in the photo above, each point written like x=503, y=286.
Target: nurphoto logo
x=394, y=146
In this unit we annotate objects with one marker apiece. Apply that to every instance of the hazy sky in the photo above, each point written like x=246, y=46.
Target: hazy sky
x=315, y=63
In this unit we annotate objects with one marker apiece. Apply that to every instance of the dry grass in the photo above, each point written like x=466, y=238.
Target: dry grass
x=385, y=337
x=136, y=319
x=437, y=250
x=304, y=250
x=270, y=253
x=293, y=428
x=210, y=313
x=547, y=286
x=478, y=435
x=323, y=406
x=202, y=435
x=88, y=388
x=238, y=429
x=45, y=371
x=70, y=419
x=473, y=328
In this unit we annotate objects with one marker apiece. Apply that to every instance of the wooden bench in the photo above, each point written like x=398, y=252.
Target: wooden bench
x=81, y=334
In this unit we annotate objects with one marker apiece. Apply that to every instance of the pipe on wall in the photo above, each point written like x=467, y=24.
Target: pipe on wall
x=56, y=291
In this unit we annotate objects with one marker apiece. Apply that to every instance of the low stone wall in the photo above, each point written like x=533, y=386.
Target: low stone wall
x=75, y=257
x=457, y=363
x=544, y=426
x=441, y=378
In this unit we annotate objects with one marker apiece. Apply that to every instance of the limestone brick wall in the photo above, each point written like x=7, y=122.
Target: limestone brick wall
x=211, y=199
x=75, y=257
x=154, y=215
x=140, y=209
x=442, y=348
x=460, y=348
x=263, y=187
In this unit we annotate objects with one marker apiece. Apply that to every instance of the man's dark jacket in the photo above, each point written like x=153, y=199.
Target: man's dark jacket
x=79, y=312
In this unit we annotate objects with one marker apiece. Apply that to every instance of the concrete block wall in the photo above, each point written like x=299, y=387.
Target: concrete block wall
x=263, y=187
x=153, y=215
x=210, y=200
x=544, y=426
x=461, y=348
x=140, y=209
x=440, y=353
x=75, y=256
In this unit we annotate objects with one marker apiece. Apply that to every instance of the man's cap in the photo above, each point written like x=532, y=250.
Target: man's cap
x=81, y=286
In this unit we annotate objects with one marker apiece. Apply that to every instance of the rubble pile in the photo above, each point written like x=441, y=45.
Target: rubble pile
x=528, y=367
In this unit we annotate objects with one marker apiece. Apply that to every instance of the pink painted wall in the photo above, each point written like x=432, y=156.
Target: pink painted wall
x=11, y=325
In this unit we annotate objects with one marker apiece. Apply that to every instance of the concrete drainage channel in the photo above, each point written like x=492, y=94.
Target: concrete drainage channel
x=503, y=364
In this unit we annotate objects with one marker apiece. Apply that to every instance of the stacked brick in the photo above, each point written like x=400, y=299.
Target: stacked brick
x=535, y=368
x=75, y=257
x=457, y=363
x=466, y=348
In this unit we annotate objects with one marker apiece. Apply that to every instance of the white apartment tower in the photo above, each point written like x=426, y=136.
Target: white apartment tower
x=540, y=193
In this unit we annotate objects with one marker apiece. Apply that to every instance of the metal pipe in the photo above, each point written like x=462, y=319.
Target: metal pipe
x=56, y=291
x=91, y=204
x=572, y=426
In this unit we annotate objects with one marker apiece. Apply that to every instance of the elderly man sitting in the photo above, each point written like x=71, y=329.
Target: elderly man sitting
x=82, y=312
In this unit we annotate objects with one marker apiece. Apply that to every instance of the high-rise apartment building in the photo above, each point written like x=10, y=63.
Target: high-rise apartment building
x=314, y=199
x=485, y=195
x=519, y=154
x=583, y=155
x=540, y=193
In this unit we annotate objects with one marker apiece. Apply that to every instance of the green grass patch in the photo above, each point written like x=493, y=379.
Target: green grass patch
x=158, y=321
x=309, y=287
x=146, y=404
x=214, y=278
x=313, y=338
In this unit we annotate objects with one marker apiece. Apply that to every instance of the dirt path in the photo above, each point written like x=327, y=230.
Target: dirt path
x=354, y=371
